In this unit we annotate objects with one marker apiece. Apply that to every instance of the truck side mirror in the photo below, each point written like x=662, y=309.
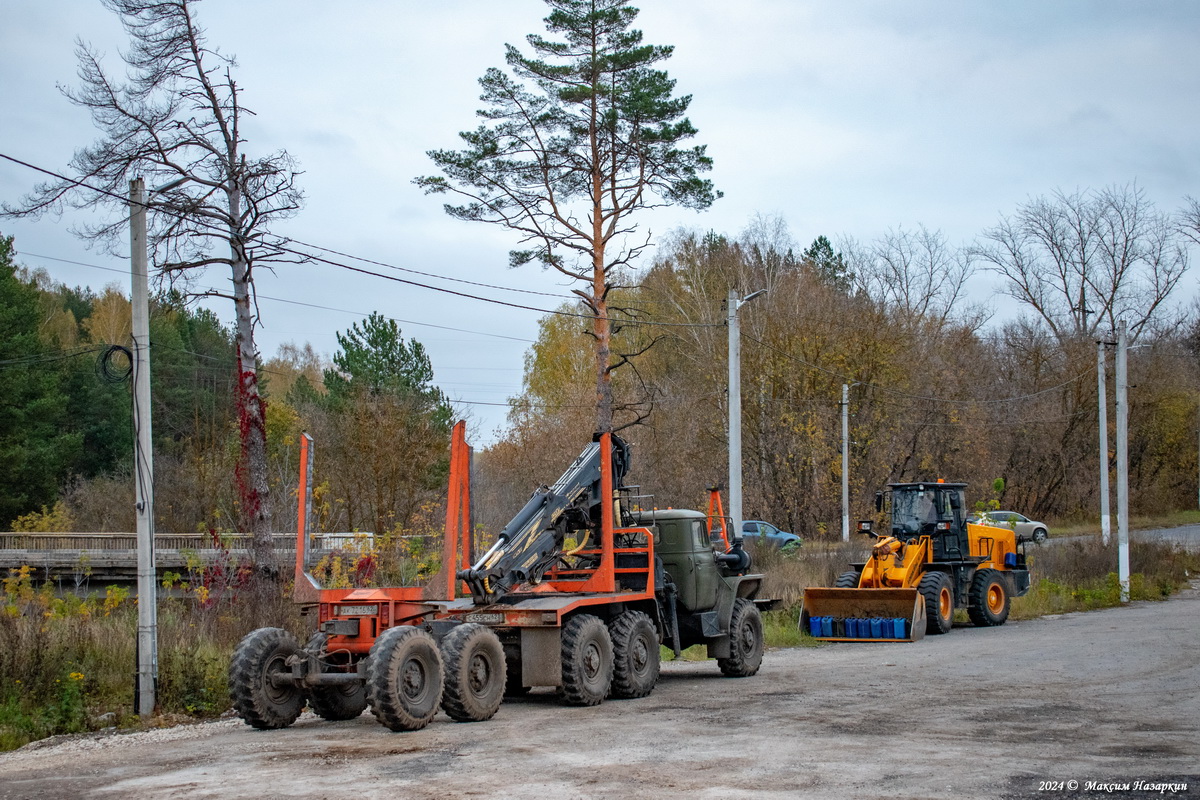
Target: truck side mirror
x=879, y=501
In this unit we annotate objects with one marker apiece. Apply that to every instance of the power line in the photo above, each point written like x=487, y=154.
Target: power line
x=303, y=304
x=361, y=270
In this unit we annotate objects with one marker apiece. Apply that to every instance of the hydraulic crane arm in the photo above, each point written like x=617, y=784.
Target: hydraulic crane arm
x=532, y=541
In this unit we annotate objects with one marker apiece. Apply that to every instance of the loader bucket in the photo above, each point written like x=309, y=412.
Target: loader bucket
x=863, y=615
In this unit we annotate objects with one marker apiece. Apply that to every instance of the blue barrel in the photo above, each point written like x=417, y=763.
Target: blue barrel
x=876, y=628
x=898, y=628
x=852, y=628
x=827, y=626
x=814, y=626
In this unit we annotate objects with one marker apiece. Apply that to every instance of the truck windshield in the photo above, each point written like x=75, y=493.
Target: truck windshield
x=916, y=511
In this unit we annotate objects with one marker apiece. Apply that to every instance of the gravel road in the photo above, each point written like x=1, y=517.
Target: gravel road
x=1010, y=712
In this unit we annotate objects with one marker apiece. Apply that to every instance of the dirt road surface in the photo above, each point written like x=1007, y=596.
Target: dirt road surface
x=1012, y=712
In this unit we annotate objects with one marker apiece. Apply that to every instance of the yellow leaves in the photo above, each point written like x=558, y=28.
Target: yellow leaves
x=111, y=320
x=55, y=520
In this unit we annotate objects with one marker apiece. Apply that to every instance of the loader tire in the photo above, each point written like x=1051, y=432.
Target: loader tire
x=404, y=678
x=989, y=599
x=475, y=673
x=847, y=580
x=257, y=700
x=745, y=641
x=635, y=655
x=938, y=592
x=587, y=661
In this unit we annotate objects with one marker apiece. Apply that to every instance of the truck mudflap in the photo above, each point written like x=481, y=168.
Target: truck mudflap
x=863, y=615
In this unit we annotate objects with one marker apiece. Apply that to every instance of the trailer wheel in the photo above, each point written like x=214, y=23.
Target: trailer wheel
x=635, y=655
x=587, y=661
x=257, y=697
x=745, y=641
x=989, y=599
x=336, y=703
x=404, y=678
x=475, y=673
x=847, y=580
x=935, y=587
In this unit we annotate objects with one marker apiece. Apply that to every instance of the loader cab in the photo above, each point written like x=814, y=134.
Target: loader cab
x=937, y=510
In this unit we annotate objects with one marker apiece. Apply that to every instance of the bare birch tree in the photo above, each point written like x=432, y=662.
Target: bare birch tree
x=1085, y=260
x=179, y=118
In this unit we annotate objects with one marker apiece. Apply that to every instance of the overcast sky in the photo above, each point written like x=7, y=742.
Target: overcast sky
x=840, y=117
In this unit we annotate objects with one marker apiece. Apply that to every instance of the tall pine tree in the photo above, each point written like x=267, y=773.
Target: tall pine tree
x=576, y=142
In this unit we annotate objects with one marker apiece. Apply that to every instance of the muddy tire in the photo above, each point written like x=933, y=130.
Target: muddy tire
x=938, y=592
x=635, y=655
x=745, y=641
x=336, y=703
x=587, y=661
x=256, y=698
x=847, y=580
x=404, y=678
x=989, y=600
x=475, y=673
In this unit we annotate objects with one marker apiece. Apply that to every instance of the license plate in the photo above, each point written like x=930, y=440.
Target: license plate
x=484, y=618
x=357, y=611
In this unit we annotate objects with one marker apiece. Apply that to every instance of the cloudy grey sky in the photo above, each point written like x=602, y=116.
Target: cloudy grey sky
x=840, y=117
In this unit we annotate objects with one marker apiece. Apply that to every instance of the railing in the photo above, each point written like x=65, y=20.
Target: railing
x=162, y=541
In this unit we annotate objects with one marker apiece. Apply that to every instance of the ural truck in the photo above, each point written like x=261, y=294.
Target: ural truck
x=578, y=592
x=927, y=563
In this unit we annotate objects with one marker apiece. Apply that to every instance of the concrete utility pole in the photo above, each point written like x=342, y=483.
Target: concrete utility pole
x=1101, y=366
x=143, y=459
x=143, y=453
x=735, y=407
x=845, y=462
x=1123, y=460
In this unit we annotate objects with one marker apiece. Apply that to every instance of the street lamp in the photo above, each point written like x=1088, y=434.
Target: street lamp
x=735, y=407
x=143, y=456
x=846, y=460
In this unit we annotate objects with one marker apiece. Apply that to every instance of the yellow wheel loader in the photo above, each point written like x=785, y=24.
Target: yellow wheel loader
x=930, y=562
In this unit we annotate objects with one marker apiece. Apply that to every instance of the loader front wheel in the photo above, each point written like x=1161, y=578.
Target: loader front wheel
x=745, y=641
x=635, y=655
x=938, y=592
x=261, y=696
x=989, y=598
x=404, y=678
x=847, y=580
x=475, y=673
x=587, y=661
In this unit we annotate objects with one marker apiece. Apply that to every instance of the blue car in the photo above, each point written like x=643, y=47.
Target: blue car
x=755, y=532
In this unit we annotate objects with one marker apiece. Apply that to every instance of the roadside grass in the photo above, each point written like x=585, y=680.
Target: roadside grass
x=1091, y=527
x=68, y=664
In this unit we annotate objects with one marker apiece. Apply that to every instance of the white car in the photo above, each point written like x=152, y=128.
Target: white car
x=1025, y=527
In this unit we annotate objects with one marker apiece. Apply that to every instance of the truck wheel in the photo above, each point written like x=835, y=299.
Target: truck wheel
x=989, y=599
x=334, y=703
x=635, y=655
x=935, y=587
x=587, y=661
x=260, y=656
x=745, y=641
x=847, y=580
x=475, y=673
x=404, y=678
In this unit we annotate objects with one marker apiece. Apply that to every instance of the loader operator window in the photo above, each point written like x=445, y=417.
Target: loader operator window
x=917, y=511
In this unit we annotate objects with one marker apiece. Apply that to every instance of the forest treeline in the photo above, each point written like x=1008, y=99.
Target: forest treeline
x=938, y=390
